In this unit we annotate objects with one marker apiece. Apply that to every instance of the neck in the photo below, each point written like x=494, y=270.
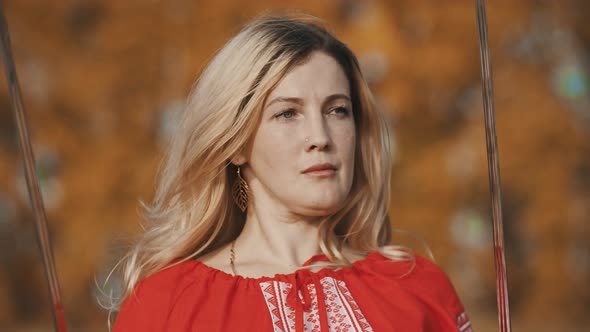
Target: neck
x=279, y=239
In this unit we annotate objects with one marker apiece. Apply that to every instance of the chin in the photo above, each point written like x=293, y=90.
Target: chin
x=320, y=210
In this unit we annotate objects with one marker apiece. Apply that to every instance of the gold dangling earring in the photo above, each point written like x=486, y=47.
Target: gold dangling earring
x=240, y=192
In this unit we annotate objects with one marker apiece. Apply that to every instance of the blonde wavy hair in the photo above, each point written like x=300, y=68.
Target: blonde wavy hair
x=193, y=212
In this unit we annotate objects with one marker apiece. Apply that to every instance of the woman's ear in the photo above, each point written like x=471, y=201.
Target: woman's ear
x=238, y=159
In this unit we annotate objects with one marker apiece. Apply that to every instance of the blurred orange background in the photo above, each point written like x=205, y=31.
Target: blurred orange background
x=102, y=80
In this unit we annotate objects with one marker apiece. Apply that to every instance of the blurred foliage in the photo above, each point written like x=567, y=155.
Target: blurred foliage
x=101, y=81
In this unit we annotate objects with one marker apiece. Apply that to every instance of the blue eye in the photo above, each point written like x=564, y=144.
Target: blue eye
x=286, y=114
x=341, y=110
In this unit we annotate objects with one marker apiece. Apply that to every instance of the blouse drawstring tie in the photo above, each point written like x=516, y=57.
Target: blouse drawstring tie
x=299, y=299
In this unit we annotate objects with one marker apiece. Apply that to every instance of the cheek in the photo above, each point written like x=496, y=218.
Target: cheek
x=271, y=150
x=346, y=136
x=347, y=153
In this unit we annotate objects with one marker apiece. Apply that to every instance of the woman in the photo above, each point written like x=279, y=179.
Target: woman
x=271, y=210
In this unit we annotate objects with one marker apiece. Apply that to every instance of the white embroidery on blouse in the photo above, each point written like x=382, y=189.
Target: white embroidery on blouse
x=463, y=323
x=343, y=313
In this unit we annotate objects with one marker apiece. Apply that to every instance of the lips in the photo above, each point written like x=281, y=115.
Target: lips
x=320, y=167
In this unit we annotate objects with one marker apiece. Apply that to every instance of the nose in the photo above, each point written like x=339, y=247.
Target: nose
x=318, y=133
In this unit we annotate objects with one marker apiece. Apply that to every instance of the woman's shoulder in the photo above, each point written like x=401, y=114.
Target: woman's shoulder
x=417, y=278
x=415, y=272
x=420, y=276
x=147, y=307
x=168, y=281
x=410, y=267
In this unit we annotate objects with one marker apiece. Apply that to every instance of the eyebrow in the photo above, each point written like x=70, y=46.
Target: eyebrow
x=299, y=101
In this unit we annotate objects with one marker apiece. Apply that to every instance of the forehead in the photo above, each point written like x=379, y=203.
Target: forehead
x=320, y=76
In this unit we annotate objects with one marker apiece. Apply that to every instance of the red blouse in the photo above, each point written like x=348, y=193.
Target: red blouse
x=374, y=294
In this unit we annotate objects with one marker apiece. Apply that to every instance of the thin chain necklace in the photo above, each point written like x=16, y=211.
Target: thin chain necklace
x=232, y=257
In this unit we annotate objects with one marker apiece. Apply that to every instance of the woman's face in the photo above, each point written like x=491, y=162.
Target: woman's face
x=306, y=121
